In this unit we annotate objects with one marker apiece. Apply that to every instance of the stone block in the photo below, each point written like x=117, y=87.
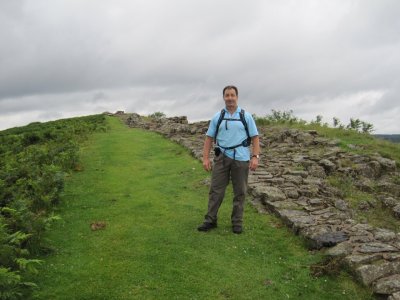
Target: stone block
x=376, y=247
x=389, y=201
x=265, y=177
x=310, y=180
x=292, y=193
x=365, y=170
x=361, y=238
x=270, y=193
x=261, y=173
x=329, y=211
x=361, y=259
x=316, y=171
x=370, y=273
x=303, y=174
x=362, y=227
x=341, y=249
x=322, y=236
x=308, y=191
x=384, y=235
x=334, y=222
x=297, y=217
x=331, y=239
x=387, y=164
x=388, y=285
x=275, y=180
x=391, y=256
x=341, y=205
x=299, y=158
x=389, y=187
x=284, y=204
x=328, y=166
x=376, y=167
x=316, y=202
x=321, y=141
x=394, y=296
x=294, y=179
x=396, y=211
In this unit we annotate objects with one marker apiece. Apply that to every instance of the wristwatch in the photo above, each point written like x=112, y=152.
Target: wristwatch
x=256, y=156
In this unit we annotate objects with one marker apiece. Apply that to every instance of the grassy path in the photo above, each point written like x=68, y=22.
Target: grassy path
x=151, y=195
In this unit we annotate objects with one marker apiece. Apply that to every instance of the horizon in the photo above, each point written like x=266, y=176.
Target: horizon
x=167, y=116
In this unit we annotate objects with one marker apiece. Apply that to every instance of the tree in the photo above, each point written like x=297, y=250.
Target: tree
x=354, y=124
x=336, y=122
x=367, y=127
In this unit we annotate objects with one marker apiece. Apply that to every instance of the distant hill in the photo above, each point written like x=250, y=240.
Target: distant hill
x=395, y=138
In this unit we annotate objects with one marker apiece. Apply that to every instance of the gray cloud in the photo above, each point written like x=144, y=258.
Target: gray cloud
x=330, y=58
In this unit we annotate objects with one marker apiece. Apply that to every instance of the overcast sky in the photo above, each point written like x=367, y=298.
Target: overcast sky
x=63, y=58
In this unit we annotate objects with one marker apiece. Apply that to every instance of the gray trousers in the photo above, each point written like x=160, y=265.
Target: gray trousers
x=225, y=169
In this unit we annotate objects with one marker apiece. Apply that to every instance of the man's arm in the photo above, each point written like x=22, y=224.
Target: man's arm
x=255, y=140
x=208, y=142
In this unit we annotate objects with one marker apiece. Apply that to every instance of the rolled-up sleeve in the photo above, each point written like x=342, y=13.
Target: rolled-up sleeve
x=251, y=125
x=213, y=125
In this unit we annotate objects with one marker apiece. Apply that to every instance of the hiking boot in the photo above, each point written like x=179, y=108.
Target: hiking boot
x=237, y=229
x=206, y=226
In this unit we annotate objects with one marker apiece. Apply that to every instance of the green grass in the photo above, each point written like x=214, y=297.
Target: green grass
x=367, y=144
x=149, y=192
x=377, y=216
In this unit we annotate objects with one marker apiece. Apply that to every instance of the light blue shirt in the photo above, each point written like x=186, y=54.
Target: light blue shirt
x=232, y=133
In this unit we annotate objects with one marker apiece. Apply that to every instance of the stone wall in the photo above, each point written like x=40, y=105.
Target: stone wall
x=291, y=183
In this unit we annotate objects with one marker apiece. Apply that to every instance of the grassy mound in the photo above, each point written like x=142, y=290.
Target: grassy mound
x=129, y=232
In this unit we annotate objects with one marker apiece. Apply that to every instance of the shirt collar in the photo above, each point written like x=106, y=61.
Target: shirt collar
x=236, y=111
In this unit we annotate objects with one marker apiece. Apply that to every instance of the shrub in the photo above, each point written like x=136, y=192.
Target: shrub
x=287, y=118
x=157, y=115
x=279, y=117
x=34, y=160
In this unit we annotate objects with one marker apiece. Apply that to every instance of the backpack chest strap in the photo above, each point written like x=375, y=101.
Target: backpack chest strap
x=229, y=119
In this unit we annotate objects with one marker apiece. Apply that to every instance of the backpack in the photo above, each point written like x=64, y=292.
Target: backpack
x=246, y=142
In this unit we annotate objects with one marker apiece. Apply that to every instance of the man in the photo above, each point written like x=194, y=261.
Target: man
x=232, y=158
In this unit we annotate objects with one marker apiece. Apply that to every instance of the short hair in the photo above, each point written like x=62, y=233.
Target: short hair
x=230, y=87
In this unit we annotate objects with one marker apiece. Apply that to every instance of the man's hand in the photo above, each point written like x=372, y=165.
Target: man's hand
x=207, y=164
x=253, y=163
x=206, y=152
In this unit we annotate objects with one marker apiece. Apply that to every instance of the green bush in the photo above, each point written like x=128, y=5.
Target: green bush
x=34, y=160
x=157, y=115
x=278, y=117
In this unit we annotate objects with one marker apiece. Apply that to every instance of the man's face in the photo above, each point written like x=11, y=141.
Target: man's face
x=231, y=99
